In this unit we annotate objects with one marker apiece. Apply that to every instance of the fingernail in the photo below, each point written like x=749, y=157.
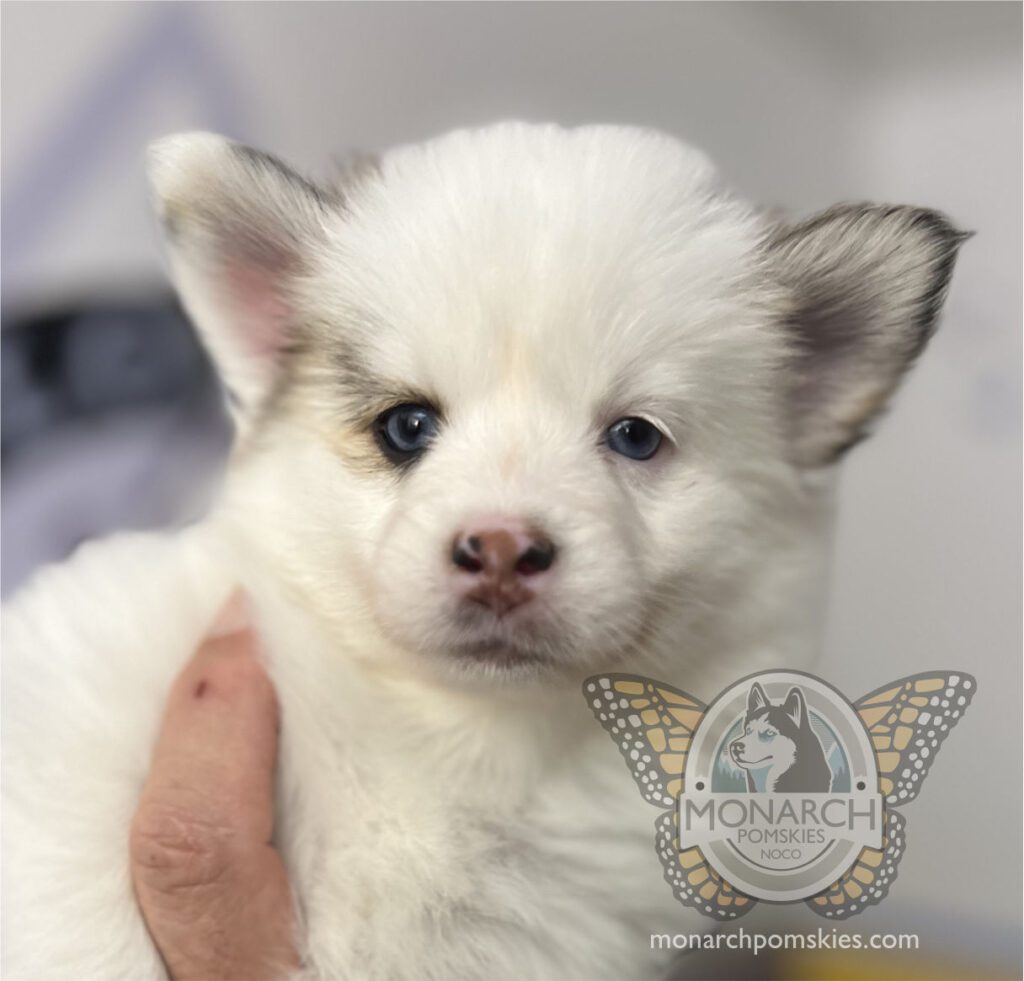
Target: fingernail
x=233, y=618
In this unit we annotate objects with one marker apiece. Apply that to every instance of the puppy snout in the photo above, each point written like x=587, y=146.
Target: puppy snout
x=499, y=564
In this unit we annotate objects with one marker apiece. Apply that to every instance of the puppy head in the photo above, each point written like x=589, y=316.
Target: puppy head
x=524, y=398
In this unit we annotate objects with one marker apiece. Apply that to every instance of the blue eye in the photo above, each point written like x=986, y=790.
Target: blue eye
x=405, y=431
x=634, y=438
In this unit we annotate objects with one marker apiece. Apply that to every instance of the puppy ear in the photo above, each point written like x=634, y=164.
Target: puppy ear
x=795, y=707
x=240, y=227
x=868, y=283
x=756, y=699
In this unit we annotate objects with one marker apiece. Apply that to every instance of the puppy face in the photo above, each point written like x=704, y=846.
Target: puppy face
x=519, y=398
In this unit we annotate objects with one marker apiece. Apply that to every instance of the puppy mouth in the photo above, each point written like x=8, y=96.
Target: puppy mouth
x=746, y=762
x=500, y=653
x=516, y=640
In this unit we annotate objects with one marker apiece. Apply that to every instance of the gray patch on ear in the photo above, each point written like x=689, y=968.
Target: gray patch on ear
x=267, y=164
x=866, y=283
x=242, y=228
x=223, y=199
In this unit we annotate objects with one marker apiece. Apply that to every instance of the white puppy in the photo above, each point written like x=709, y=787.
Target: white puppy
x=514, y=406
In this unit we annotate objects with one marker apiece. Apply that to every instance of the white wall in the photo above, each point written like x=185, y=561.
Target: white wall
x=802, y=104
x=315, y=80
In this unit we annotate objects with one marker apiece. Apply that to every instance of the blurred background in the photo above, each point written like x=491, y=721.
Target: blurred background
x=112, y=418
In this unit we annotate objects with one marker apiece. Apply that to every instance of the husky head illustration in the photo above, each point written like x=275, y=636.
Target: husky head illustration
x=778, y=737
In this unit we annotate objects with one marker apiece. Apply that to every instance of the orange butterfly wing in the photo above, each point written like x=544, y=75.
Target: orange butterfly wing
x=867, y=881
x=692, y=879
x=652, y=725
x=907, y=722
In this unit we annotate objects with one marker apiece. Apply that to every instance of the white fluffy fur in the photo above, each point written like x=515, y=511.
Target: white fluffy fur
x=439, y=821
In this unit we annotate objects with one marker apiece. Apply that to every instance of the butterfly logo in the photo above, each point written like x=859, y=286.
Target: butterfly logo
x=794, y=746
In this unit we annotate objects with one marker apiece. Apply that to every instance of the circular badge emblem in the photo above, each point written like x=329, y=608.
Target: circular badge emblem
x=782, y=787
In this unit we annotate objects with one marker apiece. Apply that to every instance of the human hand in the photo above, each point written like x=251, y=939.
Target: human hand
x=212, y=889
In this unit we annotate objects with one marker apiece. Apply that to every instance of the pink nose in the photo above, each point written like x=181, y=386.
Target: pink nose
x=497, y=563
